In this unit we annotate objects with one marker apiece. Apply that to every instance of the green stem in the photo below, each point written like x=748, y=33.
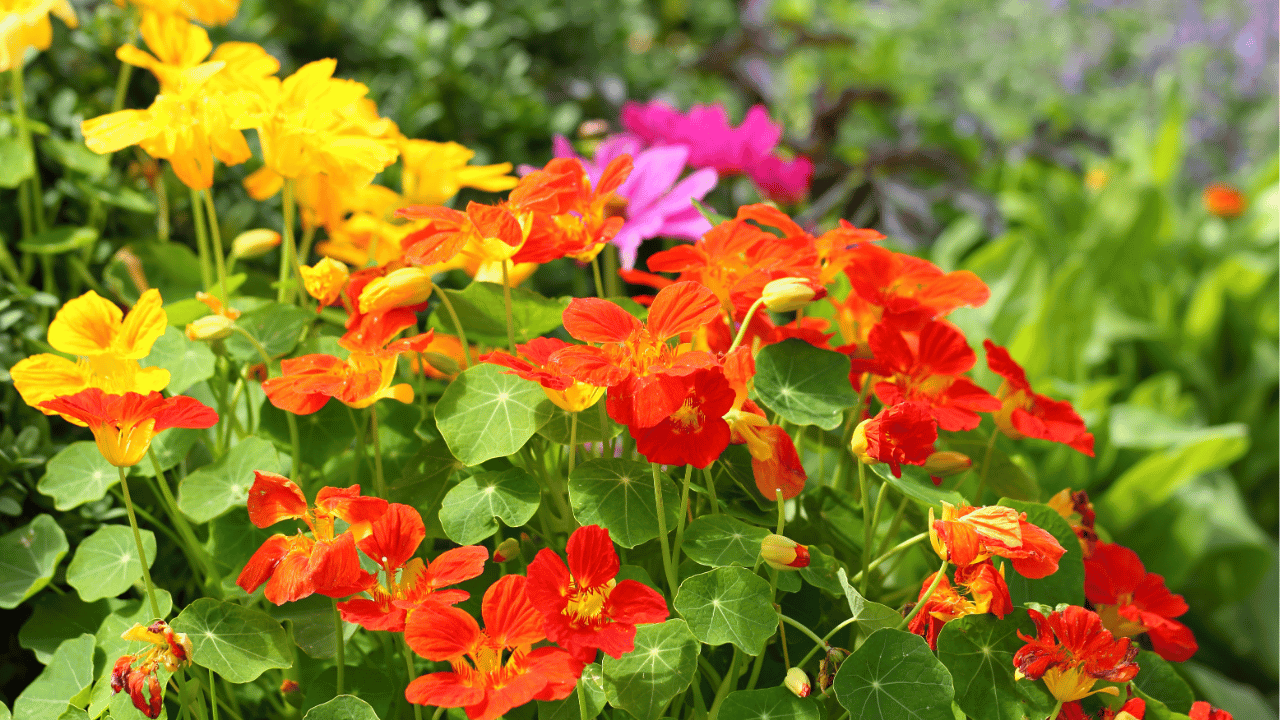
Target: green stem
x=215, y=232
x=379, y=483
x=875, y=525
x=894, y=526
x=924, y=599
x=457, y=324
x=826, y=641
x=730, y=679
x=711, y=490
x=684, y=514
x=190, y=545
x=595, y=271
x=892, y=551
x=782, y=512
x=202, y=240
x=295, y=443
x=506, y=302
x=662, y=532
x=1057, y=708
x=573, y=444
x=162, y=205
x=24, y=133
x=340, y=653
x=359, y=456
x=746, y=320
x=213, y=696
x=304, y=250
x=611, y=263
x=288, y=250
x=137, y=538
x=804, y=629
x=868, y=531
x=411, y=673
x=986, y=465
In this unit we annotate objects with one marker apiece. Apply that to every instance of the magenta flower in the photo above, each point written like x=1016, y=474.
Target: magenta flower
x=784, y=181
x=654, y=207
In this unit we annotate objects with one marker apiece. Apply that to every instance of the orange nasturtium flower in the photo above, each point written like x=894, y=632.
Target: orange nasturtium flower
x=178, y=45
x=295, y=566
x=324, y=280
x=1223, y=200
x=774, y=461
x=108, y=344
x=1071, y=652
x=208, y=12
x=25, y=24
x=1024, y=413
x=435, y=172
x=309, y=381
x=967, y=535
x=533, y=363
x=124, y=425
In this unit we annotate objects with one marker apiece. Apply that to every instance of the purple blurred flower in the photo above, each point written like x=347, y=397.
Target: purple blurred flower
x=654, y=207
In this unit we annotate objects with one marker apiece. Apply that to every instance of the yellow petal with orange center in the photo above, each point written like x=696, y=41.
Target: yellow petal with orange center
x=47, y=376
x=86, y=325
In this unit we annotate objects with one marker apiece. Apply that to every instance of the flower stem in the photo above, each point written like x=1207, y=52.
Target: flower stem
x=457, y=324
x=410, y=673
x=595, y=271
x=730, y=679
x=684, y=513
x=506, y=302
x=359, y=456
x=875, y=525
x=288, y=250
x=379, y=483
x=746, y=320
x=986, y=465
x=340, y=650
x=137, y=539
x=826, y=641
x=891, y=552
x=215, y=232
x=924, y=600
x=868, y=529
x=667, y=567
x=213, y=696
x=202, y=240
x=24, y=133
x=1057, y=708
x=190, y=545
x=711, y=490
x=573, y=444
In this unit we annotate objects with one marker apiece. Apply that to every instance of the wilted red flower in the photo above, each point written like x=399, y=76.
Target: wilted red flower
x=943, y=606
x=898, y=434
x=1071, y=652
x=584, y=607
x=170, y=650
x=987, y=587
x=1131, y=600
x=1223, y=200
x=494, y=669
x=1026, y=414
x=1075, y=508
x=966, y=535
x=926, y=367
x=124, y=425
x=142, y=685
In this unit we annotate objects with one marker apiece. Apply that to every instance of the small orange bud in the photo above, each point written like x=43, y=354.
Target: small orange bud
x=783, y=553
x=210, y=327
x=791, y=293
x=288, y=687
x=798, y=682
x=1223, y=200
x=946, y=463
x=506, y=550
x=324, y=280
x=399, y=288
x=255, y=243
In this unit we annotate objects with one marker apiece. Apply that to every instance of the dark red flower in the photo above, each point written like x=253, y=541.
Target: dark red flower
x=1202, y=710
x=1131, y=600
x=1071, y=652
x=696, y=432
x=897, y=435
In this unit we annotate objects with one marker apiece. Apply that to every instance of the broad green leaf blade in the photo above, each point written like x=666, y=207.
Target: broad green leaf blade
x=276, y=327
x=727, y=605
x=343, y=707
x=236, y=642
x=1004, y=476
x=592, y=684
x=894, y=676
x=17, y=163
x=618, y=496
x=312, y=625
x=822, y=571
x=805, y=385
x=663, y=664
x=423, y=482
x=1157, y=678
x=59, y=240
x=223, y=484
x=482, y=312
x=1064, y=586
x=374, y=687
x=978, y=651
x=776, y=703
x=170, y=447
x=76, y=475
x=915, y=484
x=188, y=361
x=871, y=616
x=323, y=434
x=589, y=430
x=106, y=563
x=28, y=557
x=65, y=681
x=472, y=508
x=485, y=414
x=59, y=618
x=721, y=540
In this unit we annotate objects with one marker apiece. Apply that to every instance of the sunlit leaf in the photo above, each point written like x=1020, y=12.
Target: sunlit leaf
x=223, y=484
x=28, y=557
x=76, y=475
x=472, y=508
x=106, y=563
x=618, y=495
x=805, y=385
x=486, y=414
x=236, y=642
x=728, y=605
x=978, y=650
x=894, y=676
x=663, y=664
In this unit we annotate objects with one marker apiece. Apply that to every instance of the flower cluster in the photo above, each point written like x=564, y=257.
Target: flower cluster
x=138, y=674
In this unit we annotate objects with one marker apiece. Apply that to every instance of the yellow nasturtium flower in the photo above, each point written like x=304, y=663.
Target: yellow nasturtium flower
x=178, y=45
x=108, y=344
x=25, y=24
x=434, y=172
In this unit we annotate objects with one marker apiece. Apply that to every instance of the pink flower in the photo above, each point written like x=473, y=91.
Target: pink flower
x=706, y=131
x=784, y=181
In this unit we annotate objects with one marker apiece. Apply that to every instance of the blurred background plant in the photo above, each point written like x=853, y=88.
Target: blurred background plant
x=1059, y=149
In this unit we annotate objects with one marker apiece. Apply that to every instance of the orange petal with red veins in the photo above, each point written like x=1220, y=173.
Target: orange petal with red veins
x=273, y=498
x=510, y=619
x=680, y=308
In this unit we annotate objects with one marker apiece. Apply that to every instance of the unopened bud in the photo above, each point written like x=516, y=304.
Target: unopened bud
x=858, y=444
x=324, y=280
x=829, y=666
x=506, y=550
x=783, y=553
x=797, y=682
x=791, y=293
x=288, y=687
x=946, y=463
x=398, y=288
x=210, y=327
x=253, y=243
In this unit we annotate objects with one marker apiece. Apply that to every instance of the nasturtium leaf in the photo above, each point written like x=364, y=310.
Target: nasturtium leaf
x=482, y=312
x=1157, y=678
x=233, y=539
x=4, y=712
x=343, y=707
x=58, y=618
x=66, y=680
x=171, y=268
x=721, y=540
x=423, y=482
x=805, y=385
x=618, y=495
x=485, y=414
x=915, y=484
x=322, y=434
x=55, y=241
x=821, y=571
x=871, y=616
x=374, y=687
x=1064, y=586
x=312, y=624
x=472, y=508
x=663, y=664
x=1004, y=476
x=76, y=475
x=17, y=162
x=236, y=642
x=776, y=703
x=978, y=651
x=106, y=563
x=276, y=327
x=590, y=686
x=894, y=676
x=589, y=429
x=28, y=557
x=223, y=484
x=728, y=605
x=188, y=361
x=170, y=447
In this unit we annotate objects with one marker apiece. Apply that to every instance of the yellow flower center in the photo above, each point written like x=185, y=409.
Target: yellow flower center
x=587, y=606
x=124, y=446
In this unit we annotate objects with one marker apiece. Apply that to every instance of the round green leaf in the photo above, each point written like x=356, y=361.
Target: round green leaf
x=187, y=361
x=803, y=384
x=58, y=618
x=66, y=680
x=276, y=327
x=170, y=447
x=727, y=605
x=1064, y=586
x=28, y=557
x=721, y=540
x=915, y=484
x=485, y=413
x=894, y=676
x=589, y=429
x=76, y=475
x=871, y=616
x=979, y=649
x=663, y=664
x=343, y=707
x=372, y=686
x=106, y=563
x=1157, y=678
x=776, y=703
x=482, y=311
x=618, y=496
x=236, y=642
x=311, y=625
x=223, y=484
x=471, y=509
x=59, y=240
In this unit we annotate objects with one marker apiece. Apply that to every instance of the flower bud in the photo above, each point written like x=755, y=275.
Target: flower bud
x=254, y=243
x=288, y=687
x=791, y=293
x=783, y=553
x=858, y=443
x=797, y=682
x=324, y=280
x=506, y=550
x=829, y=666
x=946, y=463
x=210, y=327
x=399, y=288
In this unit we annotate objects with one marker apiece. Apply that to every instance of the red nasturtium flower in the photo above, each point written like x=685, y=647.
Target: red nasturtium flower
x=899, y=434
x=1026, y=414
x=296, y=566
x=696, y=433
x=533, y=362
x=1134, y=709
x=1071, y=652
x=124, y=425
x=987, y=587
x=943, y=606
x=584, y=607
x=1223, y=200
x=966, y=535
x=1131, y=600
x=408, y=581
x=774, y=461
x=494, y=669
x=926, y=367
x=309, y=381
x=1202, y=710
x=587, y=218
